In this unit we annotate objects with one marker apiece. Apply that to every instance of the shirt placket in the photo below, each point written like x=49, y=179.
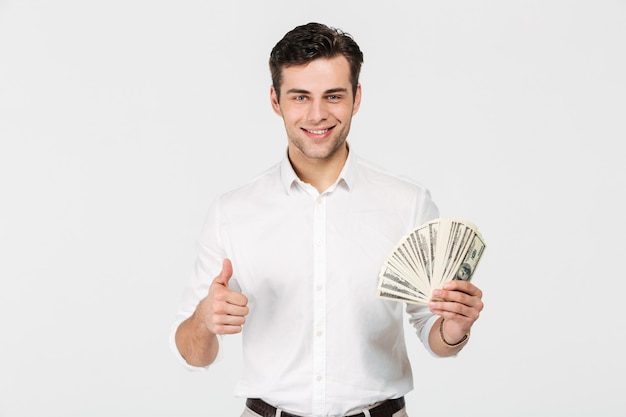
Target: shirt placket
x=319, y=306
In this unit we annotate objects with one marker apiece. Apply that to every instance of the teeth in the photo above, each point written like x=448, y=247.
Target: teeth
x=318, y=132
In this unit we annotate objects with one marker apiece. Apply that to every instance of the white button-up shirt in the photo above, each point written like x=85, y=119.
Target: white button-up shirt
x=317, y=340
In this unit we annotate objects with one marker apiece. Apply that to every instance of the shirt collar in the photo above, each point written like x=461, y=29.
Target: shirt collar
x=346, y=176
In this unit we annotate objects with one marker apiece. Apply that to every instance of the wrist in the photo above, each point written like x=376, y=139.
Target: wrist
x=461, y=342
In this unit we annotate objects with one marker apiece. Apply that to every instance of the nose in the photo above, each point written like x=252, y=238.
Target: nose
x=317, y=111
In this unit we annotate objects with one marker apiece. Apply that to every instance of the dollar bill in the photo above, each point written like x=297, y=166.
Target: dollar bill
x=428, y=256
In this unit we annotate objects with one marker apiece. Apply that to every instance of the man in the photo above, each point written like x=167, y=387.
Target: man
x=292, y=258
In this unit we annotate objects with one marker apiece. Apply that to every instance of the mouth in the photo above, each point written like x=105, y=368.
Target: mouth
x=318, y=133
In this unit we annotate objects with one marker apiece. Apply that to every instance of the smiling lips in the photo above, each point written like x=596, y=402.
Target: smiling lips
x=317, y=132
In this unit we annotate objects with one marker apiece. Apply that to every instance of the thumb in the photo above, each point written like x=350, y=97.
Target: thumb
x=225, y=274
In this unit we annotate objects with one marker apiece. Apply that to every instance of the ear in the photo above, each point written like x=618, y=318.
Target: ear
x=357, y=100
x=274, y=101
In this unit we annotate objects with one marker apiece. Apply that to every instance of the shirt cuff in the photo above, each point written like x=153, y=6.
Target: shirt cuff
x=425, y=334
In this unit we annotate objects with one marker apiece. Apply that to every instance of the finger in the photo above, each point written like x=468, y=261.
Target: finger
x=463, y=286
x=226, y=301
x=237, y=299
x=226, y=329
x=225, y=274
x=457, y=305
x=455, y=296
x=230, y=321
x=233, y=307
x=453, y=310
x=227, y=324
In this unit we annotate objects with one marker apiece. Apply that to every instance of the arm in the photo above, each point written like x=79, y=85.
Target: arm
x=460, y=306
x=222, y=311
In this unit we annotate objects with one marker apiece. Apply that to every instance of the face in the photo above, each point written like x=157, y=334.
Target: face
x=463, y=273
x=317, y=104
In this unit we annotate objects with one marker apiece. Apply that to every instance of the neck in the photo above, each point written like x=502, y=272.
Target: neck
x=321, y=173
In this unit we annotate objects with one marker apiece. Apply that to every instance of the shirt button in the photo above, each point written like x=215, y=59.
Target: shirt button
x=319, y=200
x=318, y=288
x=318, y=378
x=318, y=333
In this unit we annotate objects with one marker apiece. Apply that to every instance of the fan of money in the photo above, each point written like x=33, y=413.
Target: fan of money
x=430, y=255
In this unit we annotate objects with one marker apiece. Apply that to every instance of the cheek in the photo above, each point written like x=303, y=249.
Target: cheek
x=347, y=113
x=293, y=115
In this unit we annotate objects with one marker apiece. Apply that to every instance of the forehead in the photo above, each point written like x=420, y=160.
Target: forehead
x=319, y=75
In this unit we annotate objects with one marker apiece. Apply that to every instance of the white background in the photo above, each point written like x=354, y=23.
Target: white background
x=121, y=120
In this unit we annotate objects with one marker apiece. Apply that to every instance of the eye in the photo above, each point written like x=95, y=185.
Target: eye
x=334, y=97
x=300, y=98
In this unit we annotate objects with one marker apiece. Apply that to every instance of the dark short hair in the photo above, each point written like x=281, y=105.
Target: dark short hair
x=306, y=43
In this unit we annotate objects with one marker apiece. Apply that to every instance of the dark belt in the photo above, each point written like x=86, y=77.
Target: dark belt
x=384, y=409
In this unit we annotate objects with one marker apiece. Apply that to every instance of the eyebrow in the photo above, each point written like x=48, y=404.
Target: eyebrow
x=331, y=91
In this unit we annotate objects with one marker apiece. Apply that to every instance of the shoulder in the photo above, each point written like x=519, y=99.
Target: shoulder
x=403, y=194
x=376, y=176
x=266, y=183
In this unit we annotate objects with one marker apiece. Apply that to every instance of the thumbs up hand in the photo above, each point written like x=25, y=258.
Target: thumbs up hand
x=223, y=310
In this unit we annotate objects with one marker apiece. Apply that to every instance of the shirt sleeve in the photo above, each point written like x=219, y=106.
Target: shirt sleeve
x=425, y=210
x=420, y=316
x=209, y=257
x=422, y=320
